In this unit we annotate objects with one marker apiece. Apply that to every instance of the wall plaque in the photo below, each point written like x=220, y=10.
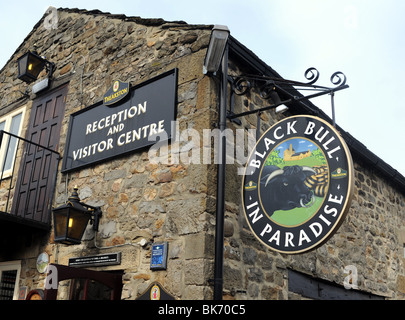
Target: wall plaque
x=22, y=293
x=298, y=184
x=155, y=292
x=42, y=262
x=101, y=132
x=107, y=259
x=159, y=256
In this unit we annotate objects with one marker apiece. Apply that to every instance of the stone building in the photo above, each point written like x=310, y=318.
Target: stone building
x=290, y=154
x=167, y=195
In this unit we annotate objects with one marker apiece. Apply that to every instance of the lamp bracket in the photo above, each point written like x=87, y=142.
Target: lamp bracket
x=96, y=215
x=269, y=87
x=26, y=93
x=95, y=212
x=50, y=68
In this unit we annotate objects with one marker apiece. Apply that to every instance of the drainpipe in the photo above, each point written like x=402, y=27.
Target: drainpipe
x=220, y=201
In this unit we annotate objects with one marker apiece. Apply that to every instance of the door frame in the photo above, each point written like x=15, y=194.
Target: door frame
x=113, y=281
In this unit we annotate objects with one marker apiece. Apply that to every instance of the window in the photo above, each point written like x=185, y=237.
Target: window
x=88, y=289
x=11, y=123
x=9, y=278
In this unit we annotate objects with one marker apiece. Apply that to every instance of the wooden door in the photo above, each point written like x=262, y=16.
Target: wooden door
x=36, y=178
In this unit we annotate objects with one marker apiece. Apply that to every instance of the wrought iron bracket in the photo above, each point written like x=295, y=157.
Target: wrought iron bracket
x=268, y=88
x=96, y=215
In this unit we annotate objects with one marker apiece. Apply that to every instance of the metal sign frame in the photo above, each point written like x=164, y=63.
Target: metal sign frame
x=99, y=132
x=295, y=200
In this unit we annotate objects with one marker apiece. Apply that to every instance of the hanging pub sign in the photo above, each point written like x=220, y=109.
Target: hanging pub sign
x=298, y=184
x=126, y=120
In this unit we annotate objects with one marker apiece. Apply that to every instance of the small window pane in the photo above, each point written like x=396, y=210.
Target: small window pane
x=14, y=128
x=7, y=284
x=15, y=123
x=3, y=143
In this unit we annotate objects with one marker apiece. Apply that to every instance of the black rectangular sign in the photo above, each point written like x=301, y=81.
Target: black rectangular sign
x=107, y=259
x=101, y=132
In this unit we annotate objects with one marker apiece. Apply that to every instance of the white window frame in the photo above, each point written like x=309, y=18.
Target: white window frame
x=7, y=119
x=12, y=265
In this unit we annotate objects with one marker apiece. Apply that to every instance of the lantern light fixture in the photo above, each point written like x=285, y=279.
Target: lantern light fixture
x=70, y=220
x=31, y=64
x=216, y=49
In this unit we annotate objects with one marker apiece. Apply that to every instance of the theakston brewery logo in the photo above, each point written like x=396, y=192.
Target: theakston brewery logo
x=298, y=184
x=116, y=92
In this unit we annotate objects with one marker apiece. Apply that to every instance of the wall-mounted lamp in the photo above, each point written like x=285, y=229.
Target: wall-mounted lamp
x=31, y=64
x=281, y=108
x=277, y=101
x=216, y=49
x=70, y=220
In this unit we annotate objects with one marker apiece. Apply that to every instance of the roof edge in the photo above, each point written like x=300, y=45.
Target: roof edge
x=136, y=19
x=142, y=21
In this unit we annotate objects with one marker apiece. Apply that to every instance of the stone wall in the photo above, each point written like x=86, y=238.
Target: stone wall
x=140, y=200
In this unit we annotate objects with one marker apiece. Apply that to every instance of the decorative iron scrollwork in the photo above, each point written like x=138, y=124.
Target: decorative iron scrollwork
x=311, y=74
x=338, y=79
x=266, y=86
x=269, y=87
x=241, y=86
x=266, y=90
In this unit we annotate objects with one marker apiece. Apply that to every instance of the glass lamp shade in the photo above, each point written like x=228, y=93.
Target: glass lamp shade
x=29, y=67
x=216, y=48
x=70, y=222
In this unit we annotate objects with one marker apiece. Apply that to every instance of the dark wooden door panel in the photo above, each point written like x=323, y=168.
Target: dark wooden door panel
x=38, y=166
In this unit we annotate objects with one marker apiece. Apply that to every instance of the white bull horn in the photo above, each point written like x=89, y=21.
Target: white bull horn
x=274, y=174
x=310, y=203
x=309, y=169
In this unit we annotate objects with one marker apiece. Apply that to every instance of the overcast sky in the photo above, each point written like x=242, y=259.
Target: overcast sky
x=364, y=39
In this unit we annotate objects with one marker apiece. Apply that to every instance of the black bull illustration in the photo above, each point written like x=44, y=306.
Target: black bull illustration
x=292, y=187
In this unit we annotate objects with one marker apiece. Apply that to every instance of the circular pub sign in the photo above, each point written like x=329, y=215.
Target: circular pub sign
x=298, y=184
